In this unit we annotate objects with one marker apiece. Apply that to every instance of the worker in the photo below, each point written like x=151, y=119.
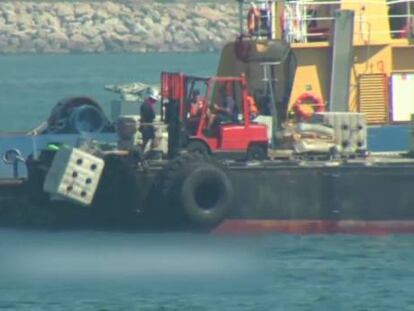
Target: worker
x=408, y=30
x=253, y=19
x=226, y=111
x=265, y=21
x=147, y=116
x=251, y=103
x=196, y=104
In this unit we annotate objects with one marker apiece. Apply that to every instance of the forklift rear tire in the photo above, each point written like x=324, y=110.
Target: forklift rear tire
x=256, y=153
x=198, y=147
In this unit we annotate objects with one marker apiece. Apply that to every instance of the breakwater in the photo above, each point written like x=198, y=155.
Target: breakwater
x=105, y=26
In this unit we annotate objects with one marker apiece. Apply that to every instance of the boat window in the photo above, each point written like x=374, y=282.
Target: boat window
x=400, y=18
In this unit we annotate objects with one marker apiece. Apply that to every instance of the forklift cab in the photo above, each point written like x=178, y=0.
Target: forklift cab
x=211, y=115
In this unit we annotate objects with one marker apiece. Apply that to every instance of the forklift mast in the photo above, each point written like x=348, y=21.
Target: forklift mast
x=172, y=91
x=176, y=90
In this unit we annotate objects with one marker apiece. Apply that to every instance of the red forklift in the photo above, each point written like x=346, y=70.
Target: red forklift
x=238, y=138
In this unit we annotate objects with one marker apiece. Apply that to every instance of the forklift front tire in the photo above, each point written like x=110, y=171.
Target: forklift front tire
x=198, y=147
x=256, y=152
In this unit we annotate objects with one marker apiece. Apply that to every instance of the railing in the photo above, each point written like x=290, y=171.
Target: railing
x=306, y=21
x=301, y=26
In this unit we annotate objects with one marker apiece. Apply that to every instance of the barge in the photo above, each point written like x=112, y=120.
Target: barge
x=321, y=179
x=194, y=192
x=303, y=165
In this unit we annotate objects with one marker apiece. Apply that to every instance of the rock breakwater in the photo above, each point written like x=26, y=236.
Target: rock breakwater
x=96, y=27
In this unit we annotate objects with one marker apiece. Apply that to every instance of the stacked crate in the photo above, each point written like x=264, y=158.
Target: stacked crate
x=74, y=175
x=350, y=130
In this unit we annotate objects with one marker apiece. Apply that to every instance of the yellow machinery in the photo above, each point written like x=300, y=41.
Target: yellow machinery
x=381, y=71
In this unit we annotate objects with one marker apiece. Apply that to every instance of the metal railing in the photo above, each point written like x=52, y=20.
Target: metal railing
x=312, y=20
x=299, y=25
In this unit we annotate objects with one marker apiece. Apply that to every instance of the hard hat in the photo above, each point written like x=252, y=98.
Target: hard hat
x=152, y=93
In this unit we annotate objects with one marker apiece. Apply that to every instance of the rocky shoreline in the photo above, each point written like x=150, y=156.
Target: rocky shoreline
x=131, y=26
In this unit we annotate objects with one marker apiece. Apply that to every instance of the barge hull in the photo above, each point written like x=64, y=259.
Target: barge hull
x=355, y=198
x=370, y=227
x=311, y=197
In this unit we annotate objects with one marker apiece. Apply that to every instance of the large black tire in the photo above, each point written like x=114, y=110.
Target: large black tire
x=198, y=189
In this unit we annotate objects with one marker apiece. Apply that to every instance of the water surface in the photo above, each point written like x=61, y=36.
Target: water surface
x=30, y=85
x=126, y=271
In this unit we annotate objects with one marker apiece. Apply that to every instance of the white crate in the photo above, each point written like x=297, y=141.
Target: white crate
x=349, y=127
x=75, y=175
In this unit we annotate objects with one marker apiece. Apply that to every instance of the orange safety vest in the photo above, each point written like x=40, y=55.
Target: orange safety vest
x=253, y=18
x=196, y=107
x=252, y=105
x=405, y=31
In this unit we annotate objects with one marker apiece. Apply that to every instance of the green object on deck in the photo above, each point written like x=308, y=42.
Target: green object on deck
x=56, y=147
x=53, y=147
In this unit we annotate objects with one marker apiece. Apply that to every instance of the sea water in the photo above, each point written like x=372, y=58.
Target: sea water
x=129, y=271
x=30, y=85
